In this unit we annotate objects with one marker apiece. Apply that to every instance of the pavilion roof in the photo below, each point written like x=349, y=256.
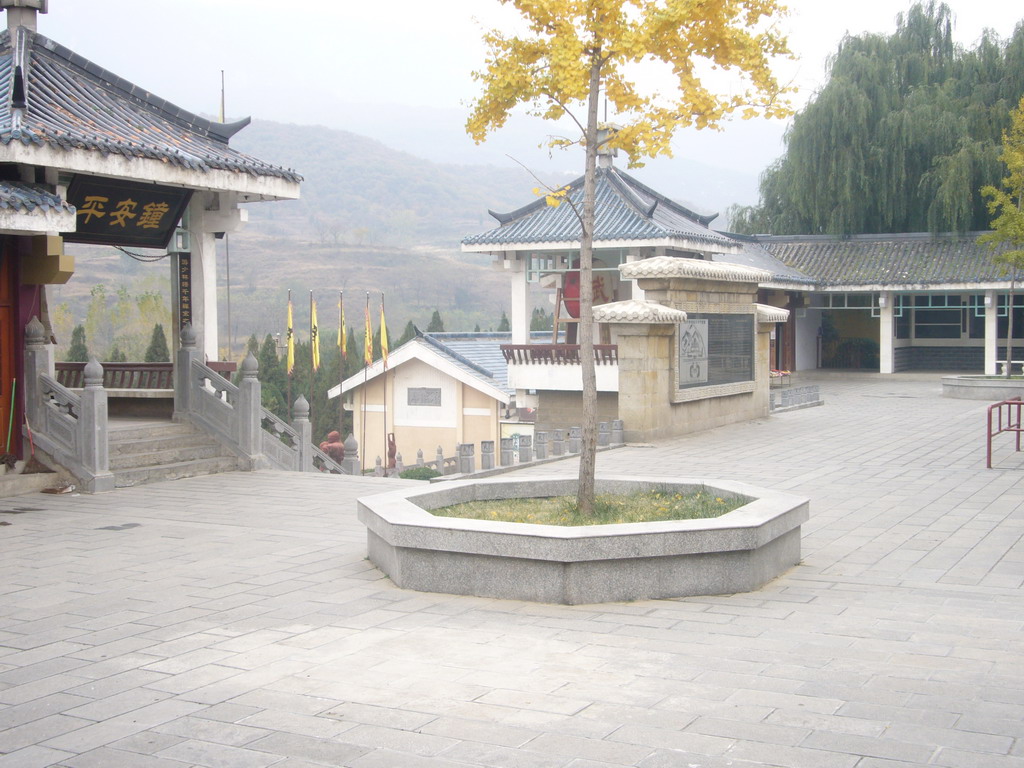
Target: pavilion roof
x=53, y=97
x=626, y=211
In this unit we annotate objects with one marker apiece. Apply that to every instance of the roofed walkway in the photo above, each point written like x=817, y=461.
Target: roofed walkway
x=232, y=620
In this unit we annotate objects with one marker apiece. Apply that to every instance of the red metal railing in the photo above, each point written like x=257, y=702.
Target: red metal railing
x=557, y=354
x=1007, y=420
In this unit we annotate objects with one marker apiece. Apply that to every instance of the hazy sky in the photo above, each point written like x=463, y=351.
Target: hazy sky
x=315, y=61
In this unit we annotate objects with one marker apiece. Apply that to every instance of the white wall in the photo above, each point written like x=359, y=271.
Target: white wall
x=807, y=339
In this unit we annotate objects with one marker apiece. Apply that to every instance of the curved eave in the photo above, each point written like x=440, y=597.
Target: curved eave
x=682, y=243
x=249, y=187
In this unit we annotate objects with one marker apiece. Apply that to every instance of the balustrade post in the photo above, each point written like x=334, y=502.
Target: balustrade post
x=618, y=436
x=249, y=409
x=486, y=454
x=439, y=458
x=38, y=360
x=467, y=458
x=187, y=352
x=94, y=451
x=575, y=439
x=525, y=448
x=604, y=434
x=419, y=457
x=542, y=445
x=378, y=468
x=558, y=442
x=304, y=433
x=506, y=451
x=351, y=460
x=399, y=466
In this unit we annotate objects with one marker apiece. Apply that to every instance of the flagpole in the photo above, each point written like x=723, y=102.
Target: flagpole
x=312, y=355
x=367, y=344
x=288, y=360
x=384, y=360
x=341, y=364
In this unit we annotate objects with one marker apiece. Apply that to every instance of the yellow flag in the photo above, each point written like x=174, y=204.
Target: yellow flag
x=291, y=337
x=342, y=340
x=368, y=339
x=314, y=334
x=383, y=335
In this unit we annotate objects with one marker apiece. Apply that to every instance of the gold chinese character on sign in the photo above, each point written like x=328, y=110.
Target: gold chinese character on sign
x=93, y=207
x=152, y=213
x=124, y=210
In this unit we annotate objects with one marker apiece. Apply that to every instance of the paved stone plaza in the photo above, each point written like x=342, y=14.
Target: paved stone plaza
x=232, y=621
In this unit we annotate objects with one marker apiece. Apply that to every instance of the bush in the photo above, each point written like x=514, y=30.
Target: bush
x=419, y=473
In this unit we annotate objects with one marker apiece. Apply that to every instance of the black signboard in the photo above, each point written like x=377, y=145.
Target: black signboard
x=185, y=289
x=115, y=212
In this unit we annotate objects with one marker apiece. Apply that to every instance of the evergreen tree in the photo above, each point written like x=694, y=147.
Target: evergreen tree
x=436, y=324
x=78, y=352
x=503, y=324
x=541, y=320
x=157, y=351
x=116, y=355
x=252, y=346
x=900, y=139
x=476, y=328
x=407, y=335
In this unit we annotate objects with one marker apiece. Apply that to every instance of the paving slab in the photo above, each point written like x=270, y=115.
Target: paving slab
x=234, y=620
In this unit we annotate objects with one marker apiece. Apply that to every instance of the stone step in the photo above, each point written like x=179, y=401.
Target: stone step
x=188, y=451
x=176, y=471
x=122, y=447
x=153, y=429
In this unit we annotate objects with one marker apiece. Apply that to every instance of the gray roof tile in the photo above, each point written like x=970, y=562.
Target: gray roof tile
x=626, y=210
x=75, y=104
x=896, y=259
x=29, y=198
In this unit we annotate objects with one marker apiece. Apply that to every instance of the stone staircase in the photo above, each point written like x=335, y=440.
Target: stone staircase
x=146, y=451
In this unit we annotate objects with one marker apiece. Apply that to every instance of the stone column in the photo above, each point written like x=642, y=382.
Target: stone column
x=886, y=333
x=351, y=460
x=519, y=311
x=542, y=445
x=506, y=451
x=991, y=332
x=467, y=458
x=486, y=454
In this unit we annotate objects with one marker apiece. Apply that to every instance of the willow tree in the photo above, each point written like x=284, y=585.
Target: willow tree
x=1006, y=203
x=900, y=139
x=576, y=51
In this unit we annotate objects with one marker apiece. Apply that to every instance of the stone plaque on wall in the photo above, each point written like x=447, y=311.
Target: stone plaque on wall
x=425, y=396
x=716, y=349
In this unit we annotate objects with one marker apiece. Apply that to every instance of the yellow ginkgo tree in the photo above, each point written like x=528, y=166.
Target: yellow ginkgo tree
x=1007, y=205
x=576, y=52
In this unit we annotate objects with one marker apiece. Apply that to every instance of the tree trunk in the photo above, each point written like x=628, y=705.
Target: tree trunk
x=588, y=448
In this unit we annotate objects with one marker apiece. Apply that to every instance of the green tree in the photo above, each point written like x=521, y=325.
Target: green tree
x=541, y=320
x=407, y=335
x=436, y=324
x=157, y=351
x=78, y=352
x=503, y=324
x=580, y=52
x=1006, y=239
x=116, y=355
x=901, y=137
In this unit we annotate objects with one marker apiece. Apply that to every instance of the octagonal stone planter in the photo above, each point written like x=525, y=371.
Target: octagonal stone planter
x=991, y=388
x=737, y=552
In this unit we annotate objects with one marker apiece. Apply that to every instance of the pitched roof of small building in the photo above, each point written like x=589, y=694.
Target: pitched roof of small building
x=31, y=209
x=627, y=212
x=892, y=260
x=52, y=97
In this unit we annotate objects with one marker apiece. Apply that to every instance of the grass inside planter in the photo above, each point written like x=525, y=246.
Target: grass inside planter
x=637, y=507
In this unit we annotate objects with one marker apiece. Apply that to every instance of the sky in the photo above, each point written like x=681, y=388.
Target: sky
x=363, y=66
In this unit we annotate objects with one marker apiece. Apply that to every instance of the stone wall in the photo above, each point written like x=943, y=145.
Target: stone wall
x=561, y=410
